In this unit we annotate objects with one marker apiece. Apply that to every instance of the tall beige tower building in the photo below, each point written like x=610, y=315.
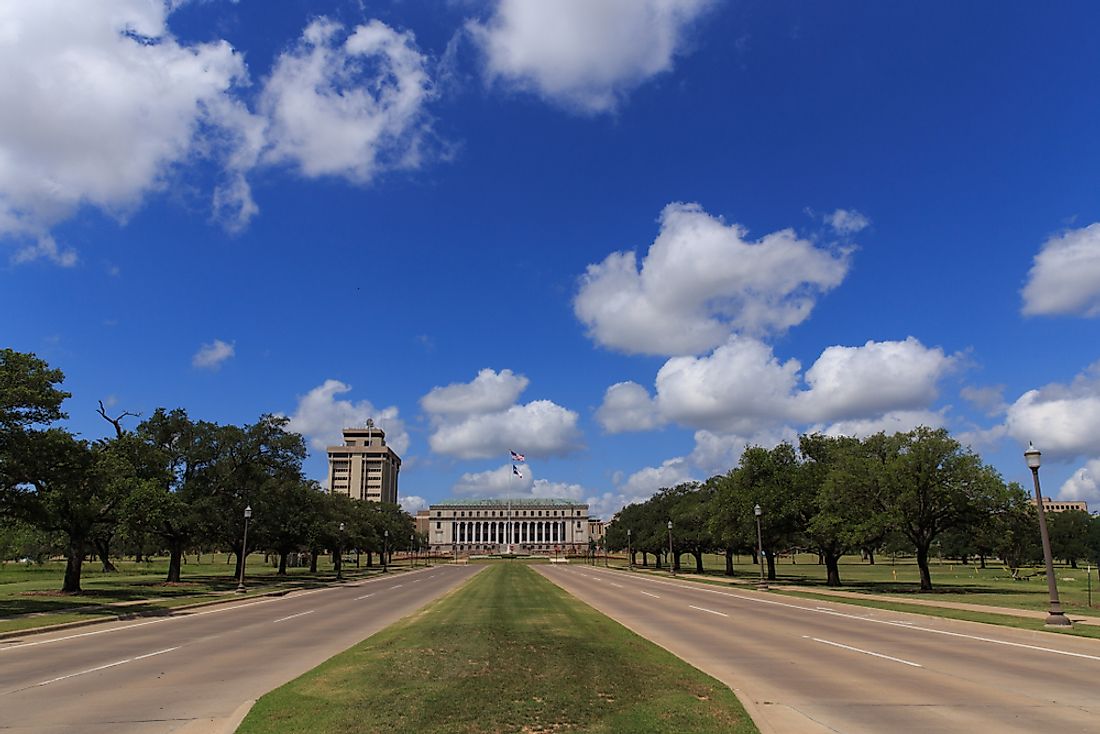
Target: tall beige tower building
x=364, y=468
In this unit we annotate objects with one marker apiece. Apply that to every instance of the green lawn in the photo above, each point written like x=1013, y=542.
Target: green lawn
x=507, y=652
x=29, y=596
x=951, y=581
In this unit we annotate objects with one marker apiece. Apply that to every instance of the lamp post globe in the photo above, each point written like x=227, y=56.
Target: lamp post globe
x=1056, y=617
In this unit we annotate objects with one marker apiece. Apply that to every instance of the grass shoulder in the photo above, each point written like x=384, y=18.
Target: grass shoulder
x=507, y=652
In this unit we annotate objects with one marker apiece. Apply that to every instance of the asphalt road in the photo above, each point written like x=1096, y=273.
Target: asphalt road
x=196, y=672
x=803, y=667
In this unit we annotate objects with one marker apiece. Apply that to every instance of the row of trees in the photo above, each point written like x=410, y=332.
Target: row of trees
x=919, y=491
x=172, y=484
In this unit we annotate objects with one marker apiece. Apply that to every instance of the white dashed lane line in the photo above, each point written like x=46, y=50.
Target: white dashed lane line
x=292, y=616
x=104, y=667
x=708, y=611
x=865, y=652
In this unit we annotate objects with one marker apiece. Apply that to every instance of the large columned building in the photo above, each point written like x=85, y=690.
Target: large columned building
x=523, y=525
x=364, y=468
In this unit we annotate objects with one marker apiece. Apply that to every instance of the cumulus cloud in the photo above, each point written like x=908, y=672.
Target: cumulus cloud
x=717, y=453
x=1084, y=484
x=1063, y=420
x=847, y=221
x=734, y=390
x=627, y=406
x=478, y=419
x=489, y=392
x=210, y=356
x=849, y=382
x=412, y=503
x=990, y=400
x=100, y=100
x=348, y=104
x=893, y=421
x=1065, y=278
x=700, y=281
x=742, y=388
x=498, y=482
x=585, y=55
x=321, y=417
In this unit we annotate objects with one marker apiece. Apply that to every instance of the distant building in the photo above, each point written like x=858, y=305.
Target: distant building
x=549, y=526
x=364, y=468
x=596, y=529
x=1052, y=505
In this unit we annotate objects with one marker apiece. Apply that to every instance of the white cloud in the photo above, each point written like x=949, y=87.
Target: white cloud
x=736, y=389
x=742, y=388
x=586, y=55
x=717, y=453
x=893, y=421
x=1062, y=420
x=498, y=482
x=321, y=417
x=643, y=483
x=627, y=406
x=478, y=420
x=1065, y=278
x=46, y=247
x=539, y=428
x=847, y=221
x=350, y=105
x=100, y=100
x=850, y=382
x=990, y=400
x=701, y=281
x=412, y=503
x=488, y=393
x=1083, y=485
x=210, y=356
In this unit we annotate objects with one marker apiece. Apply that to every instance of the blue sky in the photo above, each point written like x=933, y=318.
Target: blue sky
x=627, y=238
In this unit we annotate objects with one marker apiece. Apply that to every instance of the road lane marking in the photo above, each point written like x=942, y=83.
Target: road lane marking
x=108, y=665
x=364, y=596
x=865, y=652
x=397, y=586
x=292, y=616
x=617, y=586
x=648, y=594
x=688, y=586
x=709, y=611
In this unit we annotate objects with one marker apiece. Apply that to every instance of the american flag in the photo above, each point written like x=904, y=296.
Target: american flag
x=518, y=457
x=516, y=471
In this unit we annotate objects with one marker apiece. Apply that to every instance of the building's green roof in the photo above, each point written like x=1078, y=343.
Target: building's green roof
x=515, y=502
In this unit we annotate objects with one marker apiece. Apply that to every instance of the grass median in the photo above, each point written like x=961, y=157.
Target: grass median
x=507, y=652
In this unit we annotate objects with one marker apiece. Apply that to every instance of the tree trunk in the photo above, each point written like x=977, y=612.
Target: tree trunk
x=771, y=566
x=870, y=556
x=175, y=556
x=370, y=559
x=1073, y=563
x=137, y=557
x=966, y=560
x=238, y=566
x=73, y=567
x=657, y=561
x=676, y=561
x=755, y=558
x=981, y=561
x=645, y=559
x=282, y=562
x=729, y=561
x=103, y=550
x=922, y=564
x=313, y=552
x=698, y=561
x=832, y=569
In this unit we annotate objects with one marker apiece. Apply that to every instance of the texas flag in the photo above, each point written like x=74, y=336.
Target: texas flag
x=516, y=471
x=518, y=457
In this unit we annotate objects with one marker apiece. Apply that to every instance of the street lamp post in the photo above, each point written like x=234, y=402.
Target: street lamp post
x=629, y=555
x=412, y=549
x=1056, y=617
x=340, y=555
x=763, y=586
x=671, y=557
x=385, y=547
x=244, y=548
